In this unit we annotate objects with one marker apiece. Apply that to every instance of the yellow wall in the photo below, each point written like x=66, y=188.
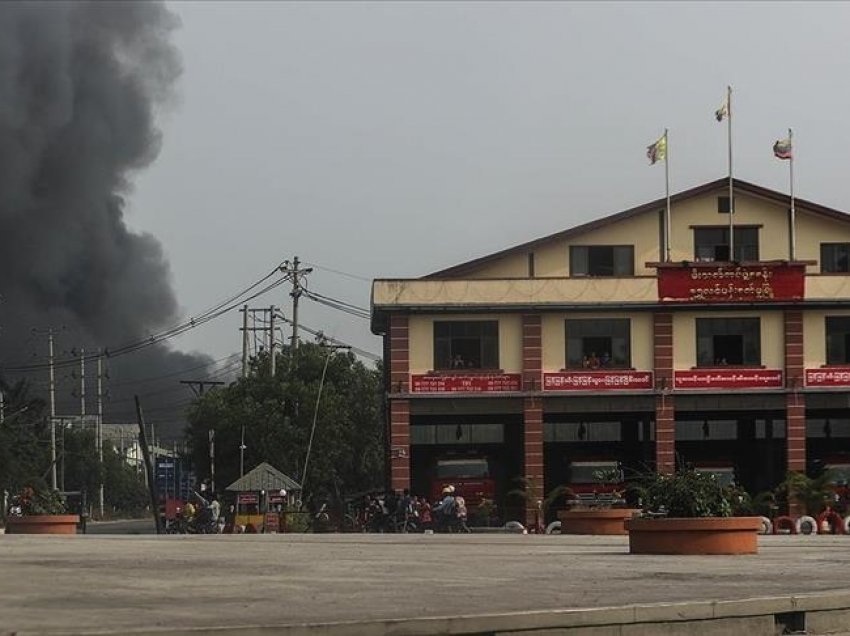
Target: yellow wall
x=814, y=335
x=772, y=336
x=554, y=338
x=511, y=266
x=814, y=230
x=642, y=231
x=421, y=334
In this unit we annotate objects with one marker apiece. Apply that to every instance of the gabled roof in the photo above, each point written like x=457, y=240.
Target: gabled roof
x=743, y=186
x=264, y=477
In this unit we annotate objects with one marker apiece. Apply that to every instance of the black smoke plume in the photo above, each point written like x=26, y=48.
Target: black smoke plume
x=80, y=84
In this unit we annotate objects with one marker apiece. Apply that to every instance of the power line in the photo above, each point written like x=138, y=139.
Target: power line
x=341, y=273
x=173, y=332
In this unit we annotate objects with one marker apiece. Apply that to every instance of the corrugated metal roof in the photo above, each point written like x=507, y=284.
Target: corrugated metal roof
x=264, y=477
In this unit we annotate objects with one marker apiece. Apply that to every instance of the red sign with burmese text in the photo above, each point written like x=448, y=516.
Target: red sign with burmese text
x=607, y=380
x=710, y=283
x=728, y=379
x=828, y=377
x=484, y=383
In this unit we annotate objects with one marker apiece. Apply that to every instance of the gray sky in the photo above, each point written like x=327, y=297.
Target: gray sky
x=395, y=139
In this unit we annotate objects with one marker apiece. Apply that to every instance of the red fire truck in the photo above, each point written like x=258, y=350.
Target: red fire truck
x=595, y=482
x=469, y=475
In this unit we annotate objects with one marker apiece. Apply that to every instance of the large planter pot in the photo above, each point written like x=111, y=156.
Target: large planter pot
x=43, y=524
x=595, y=520
x=706, y=535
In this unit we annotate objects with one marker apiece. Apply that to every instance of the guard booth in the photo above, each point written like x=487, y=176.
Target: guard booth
x=262, y=498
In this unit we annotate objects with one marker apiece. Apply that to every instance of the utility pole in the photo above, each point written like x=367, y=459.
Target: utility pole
x=242, y=448
x=52, y=390
x=82, y=386
x=199, y=391
x=272, y=339
x=295, y=271
x=244, y=311
x=99, y=435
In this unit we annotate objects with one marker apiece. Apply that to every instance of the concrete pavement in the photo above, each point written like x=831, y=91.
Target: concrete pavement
x=120, y=584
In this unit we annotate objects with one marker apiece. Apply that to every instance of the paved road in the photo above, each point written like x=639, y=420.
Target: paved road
x=51, y=584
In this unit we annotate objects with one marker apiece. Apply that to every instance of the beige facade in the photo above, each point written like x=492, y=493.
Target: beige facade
x=696, y=359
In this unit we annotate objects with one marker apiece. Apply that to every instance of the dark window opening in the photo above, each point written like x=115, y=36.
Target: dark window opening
x=838, y=339
x=598, y=343
x=835, y=257
x=712, y=244
x=723, y=205
x=531, y=264
x=728, y=341
x=602, y=260
x=466, y=344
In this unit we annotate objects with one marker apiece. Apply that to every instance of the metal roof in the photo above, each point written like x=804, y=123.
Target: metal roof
x=264, y=477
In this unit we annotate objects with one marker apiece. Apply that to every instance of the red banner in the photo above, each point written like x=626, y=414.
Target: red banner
x=728, y=379
x=828, y=377
x=597, y=380
x=485, y=383
x=708, y=283
x=248, y=498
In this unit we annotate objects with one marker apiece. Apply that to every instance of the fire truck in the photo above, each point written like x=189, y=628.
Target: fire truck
x=469, y=475
x=595, y=482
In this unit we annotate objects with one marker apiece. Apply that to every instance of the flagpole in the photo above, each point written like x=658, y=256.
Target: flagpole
x=793, y=217
x=731, y=186
x=667, y=227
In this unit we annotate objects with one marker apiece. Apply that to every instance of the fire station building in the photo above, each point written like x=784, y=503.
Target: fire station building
x=589, y=343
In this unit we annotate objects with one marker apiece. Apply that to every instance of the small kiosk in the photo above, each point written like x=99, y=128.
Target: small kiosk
x=262, y=497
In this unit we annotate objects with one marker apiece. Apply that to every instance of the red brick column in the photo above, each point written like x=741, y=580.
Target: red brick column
x=399, y=444
x=795, y=401
x=532, y=352
x=532, y=368
x=399, y=409
x=533, y=446
x=665, y=426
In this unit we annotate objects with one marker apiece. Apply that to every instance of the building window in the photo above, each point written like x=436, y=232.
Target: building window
x=722, y=341
x=466, y=344
x=712, y=244
x=598, y=343
x=838, y=339
x=723, y=205
x=602, y=260
x=835, y=257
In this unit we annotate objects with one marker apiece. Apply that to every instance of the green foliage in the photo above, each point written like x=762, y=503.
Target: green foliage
x=812, y=493
x=277, y=412
x=686, y=493
x=24, y=438
x=39, y=500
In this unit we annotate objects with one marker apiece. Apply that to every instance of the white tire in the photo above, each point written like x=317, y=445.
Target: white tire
x=847, y=524
x=515, y=526
x=806, y=525
x=554, y=528
x=766, y=526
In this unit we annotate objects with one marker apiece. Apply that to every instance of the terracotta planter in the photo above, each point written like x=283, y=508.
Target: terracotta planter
x=595, y=520
x=706, y=535
x=43, y=524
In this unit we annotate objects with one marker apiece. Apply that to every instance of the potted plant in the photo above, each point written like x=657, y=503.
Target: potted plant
x=40, y=511
x=600, y=507
x=690, y=512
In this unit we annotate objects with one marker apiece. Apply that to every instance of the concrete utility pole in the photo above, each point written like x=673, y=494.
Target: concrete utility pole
x=52, y=391
x=199, y=391
x=272, y=339
x=244, y=311
x=242, y=448
x=295, y=271
x=82, y=386
x=99, y=435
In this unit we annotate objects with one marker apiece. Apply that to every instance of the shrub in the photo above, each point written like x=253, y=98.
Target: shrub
x=686, y=493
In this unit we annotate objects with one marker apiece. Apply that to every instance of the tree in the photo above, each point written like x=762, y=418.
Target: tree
x=347, y=453
x=24, y=438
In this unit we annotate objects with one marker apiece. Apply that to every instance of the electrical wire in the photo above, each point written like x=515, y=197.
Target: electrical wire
x=218, y=311
x=341, y=273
